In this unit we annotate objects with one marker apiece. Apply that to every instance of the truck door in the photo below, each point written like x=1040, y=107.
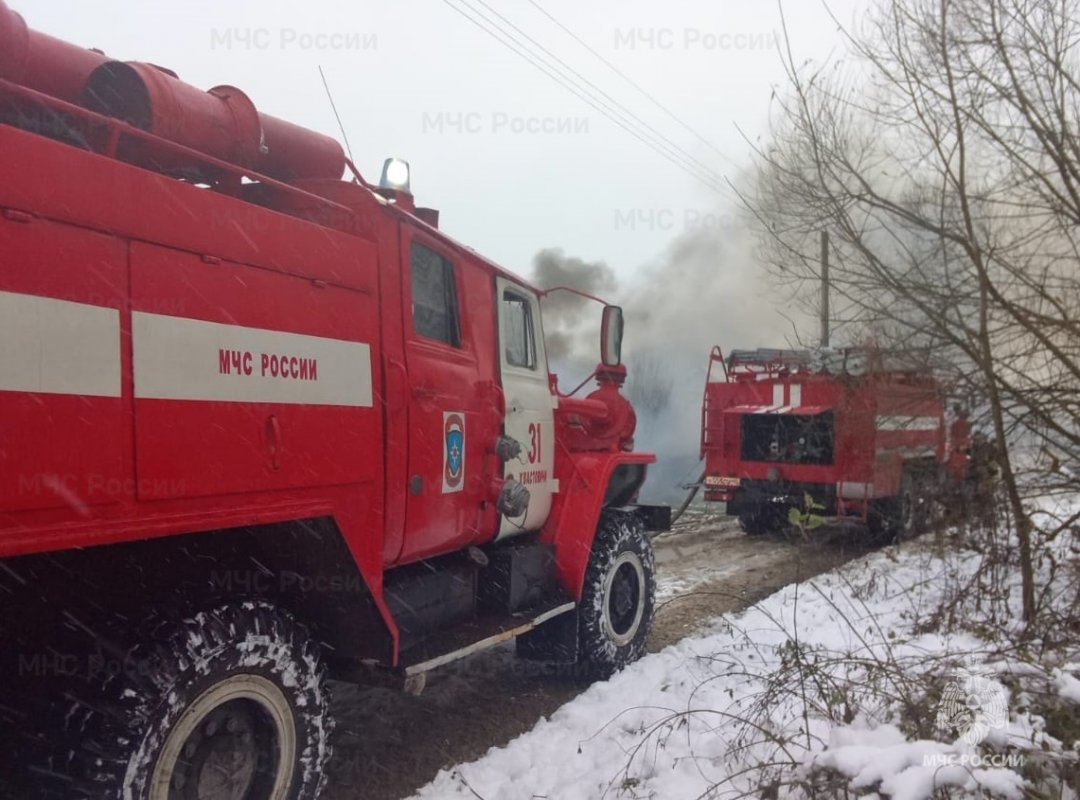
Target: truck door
x=529, y=403
x=450, y=419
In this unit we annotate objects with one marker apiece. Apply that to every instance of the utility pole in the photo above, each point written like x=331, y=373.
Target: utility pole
x=824, y=288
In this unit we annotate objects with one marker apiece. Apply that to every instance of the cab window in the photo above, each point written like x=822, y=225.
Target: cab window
x=434, y=296
x=519, y=339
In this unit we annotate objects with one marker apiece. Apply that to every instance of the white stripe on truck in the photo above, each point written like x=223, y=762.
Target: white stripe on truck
x=177, y=358
x=777, y=395
x=58, y=347
x=901, y=423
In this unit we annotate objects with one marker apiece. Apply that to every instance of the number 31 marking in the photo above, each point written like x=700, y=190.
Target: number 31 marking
x=534, y=442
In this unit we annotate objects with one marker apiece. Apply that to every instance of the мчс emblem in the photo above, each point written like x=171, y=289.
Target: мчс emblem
x=973, y=705
x=454, y=451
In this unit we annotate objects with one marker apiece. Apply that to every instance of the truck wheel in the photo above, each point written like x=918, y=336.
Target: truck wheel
x=229, y=704
x=882, y=521
x=754, y=523
x=617, y=603
x=912, y=513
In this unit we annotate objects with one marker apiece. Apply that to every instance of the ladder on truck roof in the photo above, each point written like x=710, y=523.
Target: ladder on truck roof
x=854, y=361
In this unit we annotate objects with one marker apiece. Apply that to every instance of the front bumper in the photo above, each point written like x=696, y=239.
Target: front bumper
x=753, y=495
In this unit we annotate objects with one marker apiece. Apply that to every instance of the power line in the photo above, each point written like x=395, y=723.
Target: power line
x=634, y=83
x=512, y=44
x=626, y=111
x=510, y=41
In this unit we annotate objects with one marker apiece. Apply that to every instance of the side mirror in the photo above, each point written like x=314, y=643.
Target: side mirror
x=611, y=332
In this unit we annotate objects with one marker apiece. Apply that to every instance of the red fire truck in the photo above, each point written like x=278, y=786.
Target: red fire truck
x=260, y=425
x=866, y=440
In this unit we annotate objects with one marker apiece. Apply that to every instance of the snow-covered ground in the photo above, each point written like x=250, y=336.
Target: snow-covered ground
x=694, y=556
x=392, y=743
x=817, y=683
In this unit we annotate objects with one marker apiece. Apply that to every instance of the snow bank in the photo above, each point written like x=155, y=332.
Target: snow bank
x=811, y=682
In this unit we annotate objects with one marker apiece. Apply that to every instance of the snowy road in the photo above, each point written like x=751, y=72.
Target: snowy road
x=388, y=744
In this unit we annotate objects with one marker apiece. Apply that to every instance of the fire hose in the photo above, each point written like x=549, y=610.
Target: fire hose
x=694, y=487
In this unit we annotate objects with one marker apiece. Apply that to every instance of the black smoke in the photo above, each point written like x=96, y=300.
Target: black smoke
x=707, y=288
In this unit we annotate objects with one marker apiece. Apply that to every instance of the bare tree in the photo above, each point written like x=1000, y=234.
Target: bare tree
x=944, y=161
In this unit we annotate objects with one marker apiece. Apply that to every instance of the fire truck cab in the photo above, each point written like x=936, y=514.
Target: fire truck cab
x=261, y=425
x=864, y=439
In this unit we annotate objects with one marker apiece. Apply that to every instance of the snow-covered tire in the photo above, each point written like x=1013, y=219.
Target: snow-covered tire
x=236, y=691
x=619, y=595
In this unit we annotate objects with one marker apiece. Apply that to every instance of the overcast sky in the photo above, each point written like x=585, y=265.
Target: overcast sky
x=513, y=160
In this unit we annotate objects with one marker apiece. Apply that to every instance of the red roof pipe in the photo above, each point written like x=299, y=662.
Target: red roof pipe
x=222, y=123
x=47, y=65
x=292, y=152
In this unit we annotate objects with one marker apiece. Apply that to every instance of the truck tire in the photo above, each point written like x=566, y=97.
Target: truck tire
x=619, y=595
x=900, y=518
x=228, y=704
x=912, y=512
x=755, y=523
x=881, y=521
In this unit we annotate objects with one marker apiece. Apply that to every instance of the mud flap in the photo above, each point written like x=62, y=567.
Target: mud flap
x=656, y=519
x=555, y=641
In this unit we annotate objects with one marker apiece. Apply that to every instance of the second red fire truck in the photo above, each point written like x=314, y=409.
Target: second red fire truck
x=844, y=434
